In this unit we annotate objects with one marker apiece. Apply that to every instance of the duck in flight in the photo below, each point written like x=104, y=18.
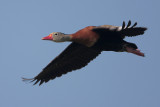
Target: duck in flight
x=87, y=44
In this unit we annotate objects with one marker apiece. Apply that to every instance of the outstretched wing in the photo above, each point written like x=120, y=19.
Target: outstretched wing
x=124, y=30
x=74, y=57
x=133, y=30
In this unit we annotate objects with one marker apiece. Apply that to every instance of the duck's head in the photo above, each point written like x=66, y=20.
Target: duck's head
x=57, y=37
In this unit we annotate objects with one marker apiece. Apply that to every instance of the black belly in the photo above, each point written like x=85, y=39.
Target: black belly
x=110, y=43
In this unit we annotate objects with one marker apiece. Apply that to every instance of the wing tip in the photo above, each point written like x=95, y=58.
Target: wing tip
x=132, y=30
x=26, y=79
x=32, y=80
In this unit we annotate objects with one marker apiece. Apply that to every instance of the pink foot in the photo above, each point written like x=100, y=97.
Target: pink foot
x=134, y=51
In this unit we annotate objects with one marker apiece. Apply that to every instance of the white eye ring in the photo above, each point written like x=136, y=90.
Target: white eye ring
x=56, y=34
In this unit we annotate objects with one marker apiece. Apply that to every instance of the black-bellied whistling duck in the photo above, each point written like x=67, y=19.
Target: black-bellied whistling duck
x=86, y=45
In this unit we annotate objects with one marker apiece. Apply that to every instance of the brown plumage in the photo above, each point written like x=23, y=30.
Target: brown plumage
x=86, y=45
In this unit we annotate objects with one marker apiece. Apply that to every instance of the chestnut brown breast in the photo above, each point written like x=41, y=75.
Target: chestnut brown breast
x=85, y=36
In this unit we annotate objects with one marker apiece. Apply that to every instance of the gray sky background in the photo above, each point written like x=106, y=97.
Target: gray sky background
x=111, y=80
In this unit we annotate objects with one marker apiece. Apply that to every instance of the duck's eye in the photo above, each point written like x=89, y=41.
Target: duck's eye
x=55, y=34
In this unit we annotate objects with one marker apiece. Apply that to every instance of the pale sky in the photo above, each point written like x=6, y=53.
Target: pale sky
x=111, y=80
